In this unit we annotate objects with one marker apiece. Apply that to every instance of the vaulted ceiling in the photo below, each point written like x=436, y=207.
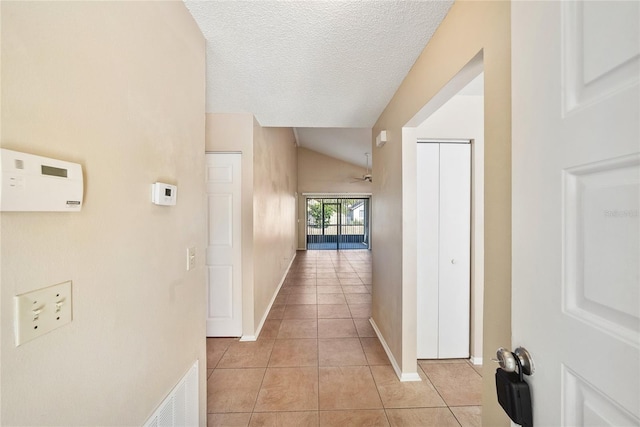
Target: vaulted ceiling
x=313, y=64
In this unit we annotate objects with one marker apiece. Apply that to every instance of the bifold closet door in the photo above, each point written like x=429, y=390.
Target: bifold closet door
x=428, y=252
x=443, y=250
x=455, y=250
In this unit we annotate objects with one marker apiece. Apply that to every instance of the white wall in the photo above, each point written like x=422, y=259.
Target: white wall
x=119, y=88
x=462, y=117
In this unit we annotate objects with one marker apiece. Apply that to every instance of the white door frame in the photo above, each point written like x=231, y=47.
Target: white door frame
x=444, y=285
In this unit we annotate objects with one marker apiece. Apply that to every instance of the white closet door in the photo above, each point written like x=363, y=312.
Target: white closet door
x=455, y=234
x=443, y=250
x=428, y=195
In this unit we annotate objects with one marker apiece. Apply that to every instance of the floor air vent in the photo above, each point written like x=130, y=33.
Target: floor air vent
x=180, y=407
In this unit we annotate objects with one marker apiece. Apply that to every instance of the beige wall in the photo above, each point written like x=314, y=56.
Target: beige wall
x=274, y=213
x=469, y=28
x=119, y=88
x=319, y=174
x=268, y=206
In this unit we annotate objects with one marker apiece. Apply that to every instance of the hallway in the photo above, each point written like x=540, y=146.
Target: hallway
x=318, y=361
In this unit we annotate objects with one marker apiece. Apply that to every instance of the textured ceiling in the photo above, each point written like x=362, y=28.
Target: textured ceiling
x=310, y=64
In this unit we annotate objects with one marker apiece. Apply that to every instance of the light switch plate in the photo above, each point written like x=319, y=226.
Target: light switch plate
x=191, y=258
x=41, y=311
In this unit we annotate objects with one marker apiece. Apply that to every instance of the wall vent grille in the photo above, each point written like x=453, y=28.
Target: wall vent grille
x=180, y=407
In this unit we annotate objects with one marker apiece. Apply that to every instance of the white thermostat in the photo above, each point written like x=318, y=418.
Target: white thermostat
x=163, y=194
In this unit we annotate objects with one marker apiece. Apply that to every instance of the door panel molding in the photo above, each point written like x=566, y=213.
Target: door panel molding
x=224, y=246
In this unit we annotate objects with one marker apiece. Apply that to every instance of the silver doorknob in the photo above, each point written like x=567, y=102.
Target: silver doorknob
x=507, y=360
x=526, y=361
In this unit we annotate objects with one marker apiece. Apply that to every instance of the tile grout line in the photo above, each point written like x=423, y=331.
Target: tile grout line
x=384, y=408
x=434, y=386
x=317, y=346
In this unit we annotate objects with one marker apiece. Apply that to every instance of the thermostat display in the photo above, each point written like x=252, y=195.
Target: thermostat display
x=163, y=194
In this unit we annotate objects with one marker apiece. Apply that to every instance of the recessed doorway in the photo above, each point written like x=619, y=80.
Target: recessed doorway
x=337, y=223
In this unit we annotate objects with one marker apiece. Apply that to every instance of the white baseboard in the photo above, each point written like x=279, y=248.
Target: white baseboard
x=273, y=298
x=409, y=377
x=476, y=360
x=403, y=376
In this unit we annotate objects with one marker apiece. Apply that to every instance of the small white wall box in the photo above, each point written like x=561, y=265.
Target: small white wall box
x=30, y=183
x=164, y=194
x=381, y=139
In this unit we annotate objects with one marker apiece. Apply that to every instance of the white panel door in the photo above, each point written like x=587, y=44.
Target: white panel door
x=576, y=185
x=455, y=251
x=224, y=252
x=443, y=250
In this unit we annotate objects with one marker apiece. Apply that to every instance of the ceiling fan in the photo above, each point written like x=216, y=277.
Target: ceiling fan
x=367, y=176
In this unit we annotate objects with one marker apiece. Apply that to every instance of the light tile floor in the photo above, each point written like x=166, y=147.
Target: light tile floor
x=318, y=361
